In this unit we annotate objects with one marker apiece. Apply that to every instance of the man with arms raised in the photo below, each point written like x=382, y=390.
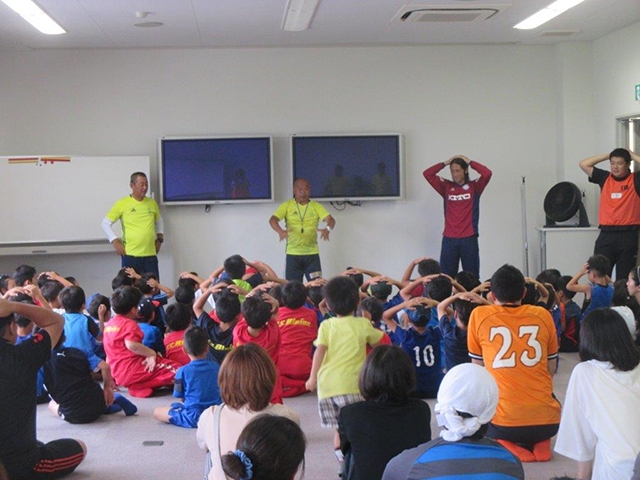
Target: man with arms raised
x=302, y=216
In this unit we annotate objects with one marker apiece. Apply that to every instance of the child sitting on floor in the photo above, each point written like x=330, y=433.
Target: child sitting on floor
x=153, y=338
x=599, y=291
x=76, y=397
x=178, y=320
x=196, y=383
x=133, y=365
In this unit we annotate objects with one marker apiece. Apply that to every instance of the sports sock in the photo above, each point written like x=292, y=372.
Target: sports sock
x=126, y=405
x=522, y=453
x=542, y=450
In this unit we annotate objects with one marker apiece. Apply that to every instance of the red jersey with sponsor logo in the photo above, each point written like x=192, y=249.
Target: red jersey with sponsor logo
x=298, y=330
x=174, y=347
x=461, y=202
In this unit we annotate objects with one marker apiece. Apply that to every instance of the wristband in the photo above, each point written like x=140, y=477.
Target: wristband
x=161, y=240
x=328, y=228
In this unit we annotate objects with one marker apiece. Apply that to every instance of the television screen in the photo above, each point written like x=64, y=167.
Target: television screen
x=350, y=167
x=199, y=170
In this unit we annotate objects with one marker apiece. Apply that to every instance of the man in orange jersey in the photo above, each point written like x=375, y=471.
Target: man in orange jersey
x=518, y=346
x=619, y=212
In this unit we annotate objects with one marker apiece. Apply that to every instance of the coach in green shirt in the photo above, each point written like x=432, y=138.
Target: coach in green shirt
x=142, y=228
x=301, y=217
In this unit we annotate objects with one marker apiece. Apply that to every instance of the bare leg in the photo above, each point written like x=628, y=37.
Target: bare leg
x=162, y=414
x=53, y=408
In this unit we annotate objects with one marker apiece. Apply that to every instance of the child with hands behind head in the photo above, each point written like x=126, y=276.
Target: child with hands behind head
x=599, y=291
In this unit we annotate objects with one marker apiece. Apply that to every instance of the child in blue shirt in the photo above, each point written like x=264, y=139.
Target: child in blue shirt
x=421, y=342
x=153, y=337
x=80, y=330
x=196, y=383
x=599, y=291
x=454, y=332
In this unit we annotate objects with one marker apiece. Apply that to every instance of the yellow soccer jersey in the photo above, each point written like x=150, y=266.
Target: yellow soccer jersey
x=302, y=225
x=516, y=343
x=138, y=224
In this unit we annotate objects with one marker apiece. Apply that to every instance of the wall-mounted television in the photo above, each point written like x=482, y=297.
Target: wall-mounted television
x=350, y=167
x=210, y=170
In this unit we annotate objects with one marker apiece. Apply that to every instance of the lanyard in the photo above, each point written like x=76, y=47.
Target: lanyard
x=301, y=215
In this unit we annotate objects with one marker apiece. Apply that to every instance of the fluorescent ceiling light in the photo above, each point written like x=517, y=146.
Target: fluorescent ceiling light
x=298, y=14
x=33, y=14
x=546, y=14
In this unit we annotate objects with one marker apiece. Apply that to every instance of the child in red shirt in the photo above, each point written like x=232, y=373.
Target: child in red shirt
x=258, y=326
x=298, y=329
x=133, y=365
x=178, y=317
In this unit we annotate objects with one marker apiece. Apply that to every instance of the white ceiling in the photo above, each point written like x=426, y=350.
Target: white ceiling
x=257, y=23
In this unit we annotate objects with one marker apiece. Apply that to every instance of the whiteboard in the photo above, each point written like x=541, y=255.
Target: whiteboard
x=51, y=199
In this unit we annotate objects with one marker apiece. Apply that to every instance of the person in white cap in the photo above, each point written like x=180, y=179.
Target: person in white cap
x=467, y=401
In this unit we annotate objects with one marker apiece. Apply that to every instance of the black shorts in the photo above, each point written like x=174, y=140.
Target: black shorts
x=523, y=435
x=57, y=459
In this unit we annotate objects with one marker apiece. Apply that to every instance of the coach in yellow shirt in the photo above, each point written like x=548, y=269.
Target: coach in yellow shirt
x=142, y=228
x=302, y=216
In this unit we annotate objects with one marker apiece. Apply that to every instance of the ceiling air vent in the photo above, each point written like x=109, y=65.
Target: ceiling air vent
x=558, y=33
x=449, y=13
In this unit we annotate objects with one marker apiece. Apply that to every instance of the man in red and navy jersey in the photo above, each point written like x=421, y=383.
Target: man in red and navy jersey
x=619, y=212
x=461, y=212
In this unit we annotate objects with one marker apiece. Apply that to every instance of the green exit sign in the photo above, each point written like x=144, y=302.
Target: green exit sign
x=638, y=92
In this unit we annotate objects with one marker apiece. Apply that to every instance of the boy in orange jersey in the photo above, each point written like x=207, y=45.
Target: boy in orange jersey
x=519, y=347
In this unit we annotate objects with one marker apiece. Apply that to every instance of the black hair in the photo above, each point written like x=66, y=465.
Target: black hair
x=419, y=315
x=550, y=275
x=531, y=294
x=356, y=277
x=463, y=309
x=188, y=282
x=620, y=294
x=196, y=340
x=599, y=264
x=94, y=304
x=228, y=307
x=294, y=294
x=381, y=290
x=21, y=320
x=561, y=285
x=142, y=283
x=387, y=375
x=621, y=153
x=274, y=445
x=72, y=280
x=51, y=290
x=178, y=317
x=341, y=294
x=468, y=280
x=429, y=267
x=72, y=299
x=4, y=283
x=276, y=292
x=23, y=273
x=235, y=267
x=438, y=289
x=135, y=175
x=121, y=280
x=224, y=291
x=462, y=164
x=184, y=295
x=5, y=321
x=315, y=294
x=124, y=299
x=256, y=312
x=605, y=336
x=374, y=307
x=507, y=284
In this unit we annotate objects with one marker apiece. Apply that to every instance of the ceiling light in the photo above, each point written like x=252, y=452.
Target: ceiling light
x=546, y=14
x=148, y=24
x=33, y=14
x=298, y=14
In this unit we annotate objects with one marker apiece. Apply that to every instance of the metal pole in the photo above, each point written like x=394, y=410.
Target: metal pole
x=525, y=237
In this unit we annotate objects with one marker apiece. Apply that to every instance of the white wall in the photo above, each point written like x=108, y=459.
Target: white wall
x=495, y=104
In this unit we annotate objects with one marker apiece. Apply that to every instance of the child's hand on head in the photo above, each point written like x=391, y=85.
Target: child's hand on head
x=31, y=290
x=271, y=301
x=152, y=283
x=13, y=291
x=131, y=272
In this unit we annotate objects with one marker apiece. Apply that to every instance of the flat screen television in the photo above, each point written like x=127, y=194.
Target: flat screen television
x=213, y=170
x=350, y=167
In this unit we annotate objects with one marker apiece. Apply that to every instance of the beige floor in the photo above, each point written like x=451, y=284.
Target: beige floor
x=116, y=451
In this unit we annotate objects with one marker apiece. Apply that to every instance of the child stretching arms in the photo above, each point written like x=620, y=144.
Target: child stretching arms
x=599, y=290
x=340, y=353
x=196, y=383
